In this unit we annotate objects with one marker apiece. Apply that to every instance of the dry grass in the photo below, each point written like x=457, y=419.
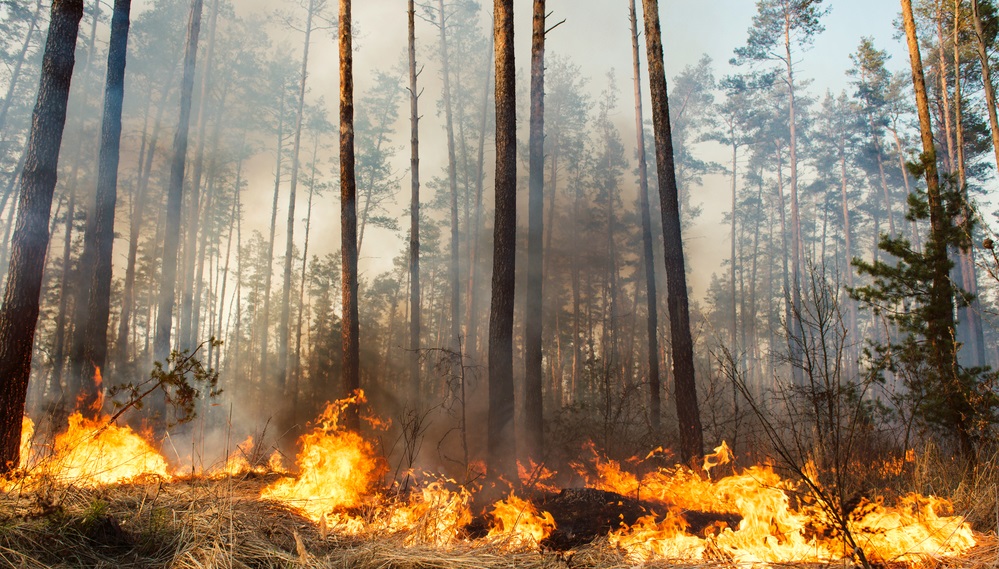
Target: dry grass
x=200, y=524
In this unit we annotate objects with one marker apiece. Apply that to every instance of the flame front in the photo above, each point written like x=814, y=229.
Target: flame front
x=91, y=453
x=772, y=530
x=517, y=521
x=337, y=468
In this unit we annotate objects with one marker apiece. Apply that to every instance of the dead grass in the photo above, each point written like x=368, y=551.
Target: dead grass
x=201, y=524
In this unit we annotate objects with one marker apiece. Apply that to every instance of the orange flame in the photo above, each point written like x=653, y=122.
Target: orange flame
x=27, y=434
x=337, y=468
x=517, y=522
x=774, y=528
x=91, y=454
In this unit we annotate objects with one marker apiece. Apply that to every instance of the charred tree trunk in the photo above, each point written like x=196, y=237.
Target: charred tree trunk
x=533, y=379
x=348, y=217
x=175, y=192
x=502, y=447
x=691, y=437
x=19, y=312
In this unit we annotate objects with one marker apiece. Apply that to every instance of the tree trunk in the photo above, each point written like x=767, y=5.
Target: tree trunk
x=297, y=364
x=175, y=192
x=101, y=240
x=452, y=177
x=188, y=327
x=135, y=224
x=414, y=219
x=944, y=95
x=348, y=217
x=652, y=321
x=284, y=324
x=794, y=327
x=228, y=247
x=691, y=437
x=472, y=329
x=533, y=379
x=940, y=328
x=502, y=447
x=990, y=90
x=19, y=312
x=266, y=318
x=734, y=315
x=968, y=315
x=848, y=257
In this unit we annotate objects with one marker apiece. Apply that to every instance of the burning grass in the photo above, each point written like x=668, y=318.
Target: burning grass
x=200, y=523
x=104, y=497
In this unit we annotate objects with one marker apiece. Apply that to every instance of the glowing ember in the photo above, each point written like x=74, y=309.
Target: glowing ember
x=518, y=522
x=337, y=468
x=91, y=453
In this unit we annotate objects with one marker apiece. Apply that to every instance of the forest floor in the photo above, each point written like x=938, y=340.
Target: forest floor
x=199, y=523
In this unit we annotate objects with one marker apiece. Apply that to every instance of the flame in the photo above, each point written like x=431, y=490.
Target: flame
x=91, y=453
x=27, y=434
x=538, y=476
x=337, y=468
x=517, y=522
x=774, y=528
x=722, y=455
x=435, y=515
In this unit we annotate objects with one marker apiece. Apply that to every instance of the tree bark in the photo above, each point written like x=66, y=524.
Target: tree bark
x=188, y=316
x=348, y=218
x=533, y=379
x=502, y=447
x=940, y=328
x=691, y=437
x=101, y=239
x=19, y=312
x=990, y=90
x=175, y=192
x=652, y=320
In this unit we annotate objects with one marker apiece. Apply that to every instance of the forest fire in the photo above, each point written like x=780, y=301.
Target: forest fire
x=93, y=452
x=760, y=518
x=780, y=522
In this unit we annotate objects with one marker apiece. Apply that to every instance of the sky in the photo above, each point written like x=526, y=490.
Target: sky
x=596, y=35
